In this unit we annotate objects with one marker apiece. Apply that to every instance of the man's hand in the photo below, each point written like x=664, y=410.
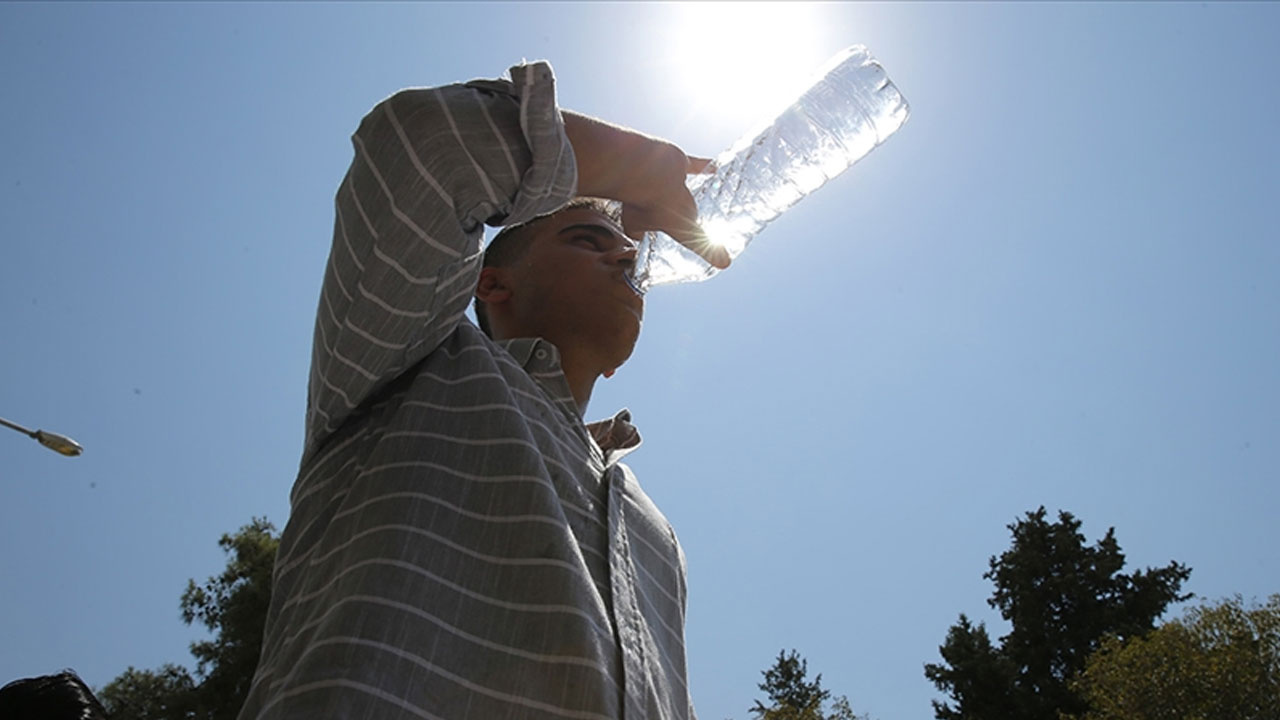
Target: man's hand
x=647, y=175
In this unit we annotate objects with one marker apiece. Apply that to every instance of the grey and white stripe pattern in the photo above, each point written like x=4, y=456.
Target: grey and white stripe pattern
x=461, y=545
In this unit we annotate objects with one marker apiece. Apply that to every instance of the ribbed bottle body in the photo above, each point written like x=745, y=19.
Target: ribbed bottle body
x=850, y=110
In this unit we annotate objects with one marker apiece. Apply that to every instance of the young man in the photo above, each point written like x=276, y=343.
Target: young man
x=461, y=544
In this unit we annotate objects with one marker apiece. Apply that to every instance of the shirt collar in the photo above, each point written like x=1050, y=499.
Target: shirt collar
x=615, y=436
x=522, y=349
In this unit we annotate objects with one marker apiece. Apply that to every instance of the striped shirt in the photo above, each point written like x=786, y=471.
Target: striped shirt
x=461, y=544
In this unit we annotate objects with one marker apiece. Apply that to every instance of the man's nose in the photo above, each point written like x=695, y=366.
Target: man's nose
x=624, y=255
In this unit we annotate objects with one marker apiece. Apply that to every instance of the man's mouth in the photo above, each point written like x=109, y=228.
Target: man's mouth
x=634, y=300
x=626, y=276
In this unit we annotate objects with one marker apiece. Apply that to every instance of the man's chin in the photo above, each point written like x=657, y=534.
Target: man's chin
x=626, y=345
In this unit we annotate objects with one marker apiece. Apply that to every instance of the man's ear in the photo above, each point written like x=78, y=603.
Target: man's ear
x=492, y=288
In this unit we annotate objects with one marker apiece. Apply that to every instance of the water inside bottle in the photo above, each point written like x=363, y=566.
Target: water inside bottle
x=850, y=109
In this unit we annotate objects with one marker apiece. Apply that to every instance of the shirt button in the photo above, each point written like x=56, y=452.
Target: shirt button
x=541, y=354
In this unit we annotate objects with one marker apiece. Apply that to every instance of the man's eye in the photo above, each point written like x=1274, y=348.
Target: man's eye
x=589, y=240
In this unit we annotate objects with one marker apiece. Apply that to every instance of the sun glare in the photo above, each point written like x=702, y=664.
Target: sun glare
x=739, y=63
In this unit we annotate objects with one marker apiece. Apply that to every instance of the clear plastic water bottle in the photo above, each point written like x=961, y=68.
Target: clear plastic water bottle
x=845, y=114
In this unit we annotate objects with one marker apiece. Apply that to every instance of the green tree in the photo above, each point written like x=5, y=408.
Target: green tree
x=791, y=696
x=233, y=607
x=1218, y=662
x=166, y=693
x=1061, y=598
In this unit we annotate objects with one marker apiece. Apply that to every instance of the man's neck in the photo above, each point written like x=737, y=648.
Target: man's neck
x=581, y=377
x=580, y=365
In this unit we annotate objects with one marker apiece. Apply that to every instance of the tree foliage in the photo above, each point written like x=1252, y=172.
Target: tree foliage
x=1218, y=662
x=166, y=693
x=1061, y=598
x=791, y=696
x=233, y=607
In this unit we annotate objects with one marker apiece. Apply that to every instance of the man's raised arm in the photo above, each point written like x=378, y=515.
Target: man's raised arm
x=431, y=167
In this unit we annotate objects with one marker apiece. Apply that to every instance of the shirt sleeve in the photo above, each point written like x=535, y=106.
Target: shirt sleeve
x=432, y=166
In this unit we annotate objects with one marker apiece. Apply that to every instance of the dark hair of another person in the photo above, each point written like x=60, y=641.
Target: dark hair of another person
x=510, y=243
x=63, y=696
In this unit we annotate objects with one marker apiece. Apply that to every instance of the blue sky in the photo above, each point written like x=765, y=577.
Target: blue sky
x=1056, y=285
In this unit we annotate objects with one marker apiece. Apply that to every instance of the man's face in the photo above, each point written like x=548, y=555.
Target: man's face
x=569, y=286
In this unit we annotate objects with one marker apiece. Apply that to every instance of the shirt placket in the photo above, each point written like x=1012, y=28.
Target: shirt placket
x=628, y=622
x=626, y=609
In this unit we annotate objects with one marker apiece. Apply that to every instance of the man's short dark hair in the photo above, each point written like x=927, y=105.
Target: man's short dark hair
x=510, y=243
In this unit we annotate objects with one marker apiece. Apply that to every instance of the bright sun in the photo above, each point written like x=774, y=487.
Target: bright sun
x=741, y=62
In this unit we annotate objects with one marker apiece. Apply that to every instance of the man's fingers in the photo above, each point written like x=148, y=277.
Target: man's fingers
x=713, y=253
x=632, y=224
x=661, y=201
x=636, y=222
x=700, y=165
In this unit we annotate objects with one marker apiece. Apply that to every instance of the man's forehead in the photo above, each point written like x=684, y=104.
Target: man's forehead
x=587, y=215
x=588, y=219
